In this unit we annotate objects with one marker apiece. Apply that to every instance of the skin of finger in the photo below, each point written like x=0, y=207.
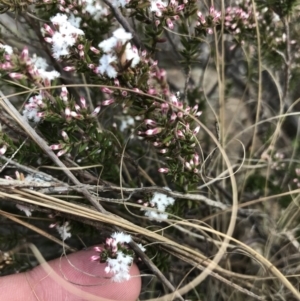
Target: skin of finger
x=77, y=269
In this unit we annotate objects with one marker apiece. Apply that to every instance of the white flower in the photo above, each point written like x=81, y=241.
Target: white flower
x=65, y=37
x=108, y=45
x=132, y=54
x=126, y=122
x=119, y=267
x=41, y=65
x=105, y=66
x=31, y=115
x=121, y=237
x=153, y=215
x=30, y=111
x=156, y=5
x=64, y=230
x=74, y=21
x=25, y=209
x=121, y=35
x=141, y=247
x=95, y=9
x=161, y=202
x=8, y=49
x=59, y=19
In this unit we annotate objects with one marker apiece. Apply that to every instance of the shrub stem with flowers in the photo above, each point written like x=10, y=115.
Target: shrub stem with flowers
x=94, y=81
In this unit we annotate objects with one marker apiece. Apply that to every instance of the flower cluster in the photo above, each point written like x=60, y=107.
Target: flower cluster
x=167, y=12
x=94, y=8
x=22, y=66
x=160, y=202
x=117, y=256
x=117, y=48
x=31, y=109
x=64, y=37
x=236, y=20
x=63, y=229
x=173, y=134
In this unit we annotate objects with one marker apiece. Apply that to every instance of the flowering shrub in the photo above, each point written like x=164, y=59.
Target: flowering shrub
x=93, y=113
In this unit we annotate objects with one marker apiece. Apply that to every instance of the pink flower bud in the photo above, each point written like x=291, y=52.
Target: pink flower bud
x=158, y=13
x=150, y=122
x=74, y=114
x=164, y=107
x=24, y=54
x=81, y=53
x=65, y=136
x=95, y=50
x=179, y=134
x=77, y=116
x=136, y=90
x=108, y=102
x=3, y=149
x=163, y=170
x=152, y=91
x=48, y=29
x=56, y=146
x=106, y=90
x=163, y=151
x=15, y=75
x=67, y=112
x=195, y=109
x=6, y=66
x=157, y=144
x=48, y=40
x=173, y=117
x=187, y=165
x=180, y=7
x=61, y=152
x=96, y=111
x=170, y=23
x=196, y=130
x=108, y=241
x=160, y=5
x=41, y=114
x=152, y=132
x=83, y=102
x=196, y=159
x=69, y=68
